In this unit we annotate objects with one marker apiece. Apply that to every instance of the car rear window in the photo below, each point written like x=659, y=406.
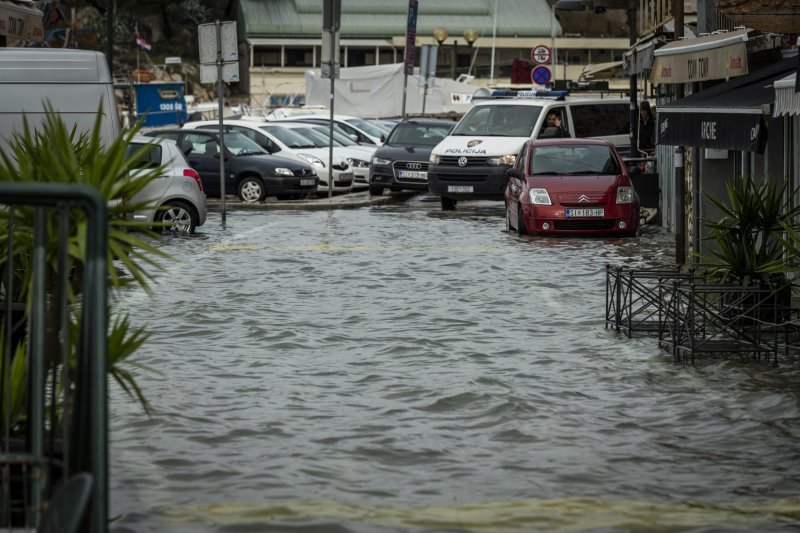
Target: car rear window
x=574, y=160
x=417, y=135
x=152, y=155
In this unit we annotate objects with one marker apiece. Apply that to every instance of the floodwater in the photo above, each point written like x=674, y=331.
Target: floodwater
x=398, y=369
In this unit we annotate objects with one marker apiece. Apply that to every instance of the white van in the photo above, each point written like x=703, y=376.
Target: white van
x=74, y=82
x=471, y=162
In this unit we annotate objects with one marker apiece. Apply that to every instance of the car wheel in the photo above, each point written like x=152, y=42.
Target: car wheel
x=521, y=229
x=448, y=204
x=176, y=217
x=251, y=189
x=375, y=190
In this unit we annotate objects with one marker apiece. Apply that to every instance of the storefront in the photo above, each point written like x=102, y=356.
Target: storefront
x=787, y=110
x=732, y=133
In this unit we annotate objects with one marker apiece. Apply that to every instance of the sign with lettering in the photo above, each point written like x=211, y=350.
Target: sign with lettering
x=724, y=131
x=713, y=57
x=411, y=35
x=541, y=54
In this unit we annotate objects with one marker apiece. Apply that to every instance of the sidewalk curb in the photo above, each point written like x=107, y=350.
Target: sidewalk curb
x=344, y=201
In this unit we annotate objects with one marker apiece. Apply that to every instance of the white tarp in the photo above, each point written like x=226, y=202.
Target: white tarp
x=377, y=91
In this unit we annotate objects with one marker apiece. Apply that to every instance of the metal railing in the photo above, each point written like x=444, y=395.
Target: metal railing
x=65, y=436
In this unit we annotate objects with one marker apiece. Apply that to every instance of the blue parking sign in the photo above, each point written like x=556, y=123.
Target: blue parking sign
x=540, y=75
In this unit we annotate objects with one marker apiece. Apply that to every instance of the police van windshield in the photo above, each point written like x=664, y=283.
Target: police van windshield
x=499, y=121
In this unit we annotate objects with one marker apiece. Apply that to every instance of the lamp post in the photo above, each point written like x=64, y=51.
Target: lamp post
x=494, y=38
x=470, y=35
x=440, y=34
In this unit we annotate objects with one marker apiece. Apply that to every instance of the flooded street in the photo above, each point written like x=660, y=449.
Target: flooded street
x=398, y=368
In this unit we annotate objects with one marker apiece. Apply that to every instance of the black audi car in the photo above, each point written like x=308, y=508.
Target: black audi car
x=251, y=172
x=402, y=162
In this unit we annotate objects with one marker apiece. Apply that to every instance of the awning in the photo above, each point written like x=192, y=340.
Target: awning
x=21, y=20
x=713, y=57
x=603, y=71
x=787, y=102
x=639, y=58
x=729, y=116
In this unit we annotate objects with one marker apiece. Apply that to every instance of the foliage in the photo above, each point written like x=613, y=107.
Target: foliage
x=53, y=153
x=758, y=235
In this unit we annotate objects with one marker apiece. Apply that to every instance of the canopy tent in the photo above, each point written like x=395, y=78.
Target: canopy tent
x=729, y=116
x=377, y=91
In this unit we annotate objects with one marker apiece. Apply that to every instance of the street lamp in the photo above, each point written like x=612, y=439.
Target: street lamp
x=470, y=35
x=440, y=34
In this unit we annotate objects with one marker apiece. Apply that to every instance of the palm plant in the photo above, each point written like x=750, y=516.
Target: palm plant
x=757, y=236
x=56, y=153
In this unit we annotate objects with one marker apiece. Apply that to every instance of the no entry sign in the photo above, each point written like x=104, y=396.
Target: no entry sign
x=541, y=54
x=540, y=75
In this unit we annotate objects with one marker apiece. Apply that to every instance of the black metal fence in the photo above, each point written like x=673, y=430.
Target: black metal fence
x=693, y=317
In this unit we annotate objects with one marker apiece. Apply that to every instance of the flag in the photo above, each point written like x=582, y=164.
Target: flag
x=141, y=43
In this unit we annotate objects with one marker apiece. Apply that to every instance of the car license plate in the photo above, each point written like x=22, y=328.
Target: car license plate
x=586, y=213
x=306, y=181
x=459, y=188
x=415, y=174
x=345, y=176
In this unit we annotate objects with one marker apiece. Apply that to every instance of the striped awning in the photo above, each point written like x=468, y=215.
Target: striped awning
x=21, y=20
x=787, y=102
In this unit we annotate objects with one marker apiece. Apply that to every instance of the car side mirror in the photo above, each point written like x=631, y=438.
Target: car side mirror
x=383, y=138
x=514, y=173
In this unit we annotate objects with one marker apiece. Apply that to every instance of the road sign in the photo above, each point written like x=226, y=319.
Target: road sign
x=540, y=75
x=541, y=54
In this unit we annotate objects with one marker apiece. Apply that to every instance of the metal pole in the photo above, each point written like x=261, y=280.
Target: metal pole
x=334, y=62
x=220, y=98
x=405, y=91
x=110, y=45
x=494, y=38
x=680, y=214
x=553, y=40
x=634, y=112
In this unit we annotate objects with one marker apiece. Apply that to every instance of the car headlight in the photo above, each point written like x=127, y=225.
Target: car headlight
x=625, y=195
x=508, y=159
x=433, y=159
x=360, y=163
x=381, y=161
x=312, y=160
x=539, y=197
x=283, y=172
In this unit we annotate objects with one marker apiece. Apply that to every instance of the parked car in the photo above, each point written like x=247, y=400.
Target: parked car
x=402, y=162
x=570, y=186
x=357, y=155
x=279, y=139
x=250, y=171
x=354, y=132
x=175, y=199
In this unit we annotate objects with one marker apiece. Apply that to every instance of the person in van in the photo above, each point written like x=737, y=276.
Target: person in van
x=647, y=128
x=553, y=127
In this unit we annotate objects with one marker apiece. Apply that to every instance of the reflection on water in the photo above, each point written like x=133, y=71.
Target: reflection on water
x=400, y=369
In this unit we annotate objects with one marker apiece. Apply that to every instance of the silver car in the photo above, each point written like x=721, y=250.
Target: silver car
x=175, y=199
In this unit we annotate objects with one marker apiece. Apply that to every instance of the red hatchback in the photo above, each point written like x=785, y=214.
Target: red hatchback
x=571, y=187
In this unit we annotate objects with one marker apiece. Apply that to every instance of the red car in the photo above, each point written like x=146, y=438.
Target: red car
x=570, y=187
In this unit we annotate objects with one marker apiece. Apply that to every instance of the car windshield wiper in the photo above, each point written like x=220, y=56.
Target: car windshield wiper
x=585, y=173
x=546, y=173
x=249, y=152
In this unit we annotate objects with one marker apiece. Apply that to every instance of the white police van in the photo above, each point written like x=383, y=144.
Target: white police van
x=471, y=162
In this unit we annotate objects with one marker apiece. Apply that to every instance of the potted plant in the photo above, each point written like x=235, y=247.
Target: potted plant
x=56, y=153
x=756, y=239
